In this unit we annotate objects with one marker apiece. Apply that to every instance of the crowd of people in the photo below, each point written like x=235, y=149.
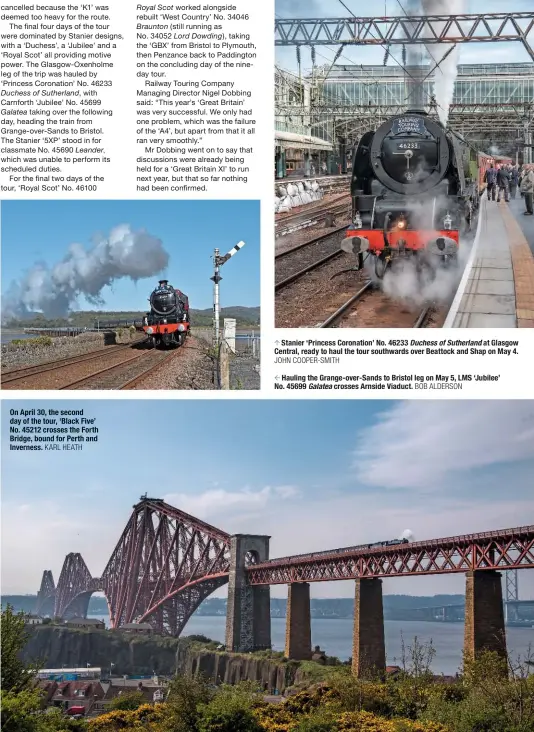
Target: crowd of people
x=505, y=180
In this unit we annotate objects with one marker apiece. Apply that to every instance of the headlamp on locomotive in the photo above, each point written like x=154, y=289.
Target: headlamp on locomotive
x=167, y=324
x=411, y=192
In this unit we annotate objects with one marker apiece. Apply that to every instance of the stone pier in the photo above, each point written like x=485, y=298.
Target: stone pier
x=248, y=613
x=484, y=614
x=298, y=622
x=368, y=645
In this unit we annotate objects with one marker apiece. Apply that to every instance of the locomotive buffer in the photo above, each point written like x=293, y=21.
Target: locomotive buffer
x=218, y=262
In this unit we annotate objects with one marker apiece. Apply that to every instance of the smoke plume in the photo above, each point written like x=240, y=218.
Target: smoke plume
x=85, y=272
x=445, y=75
x=414, y=62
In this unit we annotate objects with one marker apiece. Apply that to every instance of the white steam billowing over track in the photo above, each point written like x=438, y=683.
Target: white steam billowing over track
x=54, y=290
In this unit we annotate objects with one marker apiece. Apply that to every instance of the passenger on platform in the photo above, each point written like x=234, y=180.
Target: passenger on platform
x=527, y=188
x=503, y=183
x=514, y=181
x=490, y=178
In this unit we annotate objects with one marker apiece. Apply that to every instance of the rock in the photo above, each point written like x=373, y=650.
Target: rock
x=56, y=646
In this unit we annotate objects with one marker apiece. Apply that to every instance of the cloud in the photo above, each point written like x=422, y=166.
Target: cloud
x=219, y=503
x=418, y=445
x=41, y=535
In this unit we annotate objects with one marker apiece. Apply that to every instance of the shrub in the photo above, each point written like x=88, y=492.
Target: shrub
x=230, y=710
x=129, y=701
x=32, y=342
x=147, y=717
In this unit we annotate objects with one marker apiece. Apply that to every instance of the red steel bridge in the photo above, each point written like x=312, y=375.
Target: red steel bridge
x=167, y=562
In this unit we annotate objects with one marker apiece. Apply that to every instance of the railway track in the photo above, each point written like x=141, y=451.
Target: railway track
x=136, y=380
x=421, y=321
x=125, y=375
x=294, y=263
x=310, y=216
x=22, y=378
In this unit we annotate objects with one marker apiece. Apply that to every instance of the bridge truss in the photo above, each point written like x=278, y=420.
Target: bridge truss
x=507, y=549
x=167, y=562
x=404, y=30
x=482, y=125
x=164, y=564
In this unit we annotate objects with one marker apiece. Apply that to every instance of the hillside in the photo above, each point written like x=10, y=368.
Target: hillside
x=246, y=318
x=395, y=606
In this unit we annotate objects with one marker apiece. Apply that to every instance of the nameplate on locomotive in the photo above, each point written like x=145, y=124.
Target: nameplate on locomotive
x=403, y=125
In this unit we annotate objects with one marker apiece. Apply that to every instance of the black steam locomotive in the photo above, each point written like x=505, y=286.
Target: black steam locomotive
x=167, y=324
x=414, y=192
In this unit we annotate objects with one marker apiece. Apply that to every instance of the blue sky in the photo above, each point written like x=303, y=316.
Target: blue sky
x=42, y=231
x=469, y=53
x=313, y=475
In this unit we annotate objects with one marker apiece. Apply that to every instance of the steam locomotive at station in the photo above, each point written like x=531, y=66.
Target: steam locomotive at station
x=415, y=190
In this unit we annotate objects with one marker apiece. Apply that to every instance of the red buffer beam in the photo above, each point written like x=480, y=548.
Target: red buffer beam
x=505, y=549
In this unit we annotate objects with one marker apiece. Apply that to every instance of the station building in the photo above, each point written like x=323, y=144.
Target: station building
x=315, y=126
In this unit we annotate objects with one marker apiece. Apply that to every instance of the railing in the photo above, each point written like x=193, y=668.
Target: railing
x=57, y=331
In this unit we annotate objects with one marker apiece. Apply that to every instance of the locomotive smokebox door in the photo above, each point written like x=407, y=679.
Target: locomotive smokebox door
x=410, y=154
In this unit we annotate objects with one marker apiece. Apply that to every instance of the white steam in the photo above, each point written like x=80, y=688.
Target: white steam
x=406, y=282
x=445, y=75
x=407, y=534
x=85, y=272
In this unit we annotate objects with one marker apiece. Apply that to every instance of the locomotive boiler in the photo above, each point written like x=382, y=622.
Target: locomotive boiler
x=167, y=324
x=414, y=192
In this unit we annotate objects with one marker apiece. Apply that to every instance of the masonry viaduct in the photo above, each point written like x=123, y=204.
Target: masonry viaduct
x=167, y=562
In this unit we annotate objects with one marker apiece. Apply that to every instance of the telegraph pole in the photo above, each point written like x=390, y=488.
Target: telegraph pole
x=218, y=262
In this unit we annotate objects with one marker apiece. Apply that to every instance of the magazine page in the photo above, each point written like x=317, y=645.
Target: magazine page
x=232, y=520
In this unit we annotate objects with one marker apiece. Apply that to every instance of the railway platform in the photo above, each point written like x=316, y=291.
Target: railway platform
x=497, y=288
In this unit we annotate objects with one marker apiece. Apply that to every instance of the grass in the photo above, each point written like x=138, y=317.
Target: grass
x=32, y=342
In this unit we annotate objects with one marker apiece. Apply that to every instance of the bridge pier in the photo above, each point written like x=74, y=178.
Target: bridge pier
x=248, y=613
x=484, y=614
x=368, y=644
x=298, y=622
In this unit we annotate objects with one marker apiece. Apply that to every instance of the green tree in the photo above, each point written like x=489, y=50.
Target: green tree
x=231, y=710
x=186, y=698
x=16, y=675
x=130, y=701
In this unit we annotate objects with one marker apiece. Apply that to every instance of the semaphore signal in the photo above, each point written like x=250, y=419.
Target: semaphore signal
x=218, y=262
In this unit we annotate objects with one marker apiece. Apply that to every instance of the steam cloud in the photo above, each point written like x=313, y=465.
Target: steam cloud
x=445, y=75
x=405, y=282
x=54, y=291
x=407, y=534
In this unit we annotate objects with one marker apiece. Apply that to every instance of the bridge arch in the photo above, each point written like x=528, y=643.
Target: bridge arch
x=171, y=614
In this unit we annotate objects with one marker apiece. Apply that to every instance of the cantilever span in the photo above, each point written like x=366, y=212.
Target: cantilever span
x=167, y=562
x=164, y=564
